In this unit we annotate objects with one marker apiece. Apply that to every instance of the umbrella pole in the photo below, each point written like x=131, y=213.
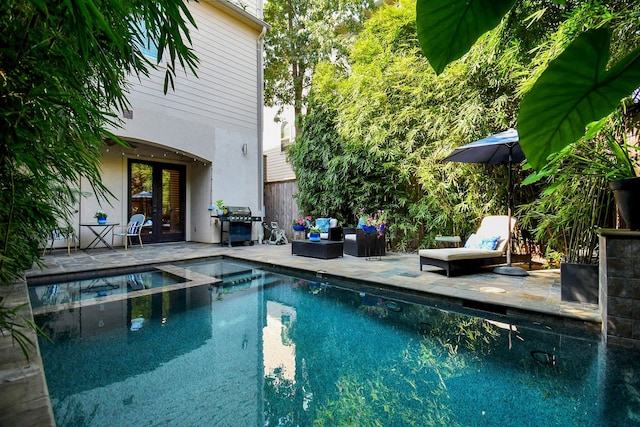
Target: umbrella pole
x=509, y=213
x=508, y=269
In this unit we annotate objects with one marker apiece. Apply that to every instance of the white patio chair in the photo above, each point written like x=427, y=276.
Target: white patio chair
x=63, y=233
x=132, y=229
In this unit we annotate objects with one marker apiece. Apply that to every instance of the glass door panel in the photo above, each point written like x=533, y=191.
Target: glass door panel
x=141, y=186
x=171, y=201
x=157, y=190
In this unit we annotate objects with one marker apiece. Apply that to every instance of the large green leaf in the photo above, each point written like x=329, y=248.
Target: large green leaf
x=447, y=29
x=574, y=90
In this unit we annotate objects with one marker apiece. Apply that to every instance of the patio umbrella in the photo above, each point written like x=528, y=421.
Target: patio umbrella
x=142, y=195
x=141, y=202
x=499, y=149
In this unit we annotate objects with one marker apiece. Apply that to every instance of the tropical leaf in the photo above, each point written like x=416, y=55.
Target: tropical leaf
x=573, y=91
x=447, y=29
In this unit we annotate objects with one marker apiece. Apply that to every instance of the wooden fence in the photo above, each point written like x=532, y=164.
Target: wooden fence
x=280, y=205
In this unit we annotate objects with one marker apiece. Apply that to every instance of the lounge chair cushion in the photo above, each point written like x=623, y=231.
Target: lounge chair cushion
x=473, y=242
x=456, y=254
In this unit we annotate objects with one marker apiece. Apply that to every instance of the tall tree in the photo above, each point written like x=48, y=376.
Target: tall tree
x=64, y=68
x=302, y=33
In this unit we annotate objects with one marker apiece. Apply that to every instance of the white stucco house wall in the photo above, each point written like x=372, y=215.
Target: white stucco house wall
x=195, y=145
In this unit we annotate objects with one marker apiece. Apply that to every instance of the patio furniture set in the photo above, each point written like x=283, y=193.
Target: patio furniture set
x=489, y=245
x=336, y=241
x=100, y=231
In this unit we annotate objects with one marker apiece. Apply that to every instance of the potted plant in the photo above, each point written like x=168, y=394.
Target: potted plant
x=619, y=165
x=220, y=207
x=314, y=234
x=373, y=223
x=300, y=224
x=576, y=203
x=101, y=216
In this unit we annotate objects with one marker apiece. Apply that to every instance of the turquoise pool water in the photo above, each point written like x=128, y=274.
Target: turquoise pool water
x=59, y=296
x=260, y=348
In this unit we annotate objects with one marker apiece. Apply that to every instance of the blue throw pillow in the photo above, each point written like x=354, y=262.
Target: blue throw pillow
x=323, y=224
x=489, y=243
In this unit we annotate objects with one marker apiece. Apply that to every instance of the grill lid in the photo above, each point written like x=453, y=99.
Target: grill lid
x=238, y=211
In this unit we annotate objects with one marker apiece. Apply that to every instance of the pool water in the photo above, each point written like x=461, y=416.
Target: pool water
x=58, y=296
x=260, y=348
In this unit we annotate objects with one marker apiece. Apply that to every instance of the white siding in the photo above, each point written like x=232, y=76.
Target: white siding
x=277, y=167
x=252, y=7
x=224, y=96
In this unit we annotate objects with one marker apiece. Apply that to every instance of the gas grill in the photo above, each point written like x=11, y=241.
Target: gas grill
x=238, y=222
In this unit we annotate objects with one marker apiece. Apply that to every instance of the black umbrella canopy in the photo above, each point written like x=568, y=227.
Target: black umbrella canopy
x=493, y=150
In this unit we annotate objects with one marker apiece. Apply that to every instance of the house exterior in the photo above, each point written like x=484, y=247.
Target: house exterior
x=195, y=145
x=276, y=166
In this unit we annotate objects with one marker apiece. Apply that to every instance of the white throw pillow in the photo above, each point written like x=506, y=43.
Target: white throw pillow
x=473, y=242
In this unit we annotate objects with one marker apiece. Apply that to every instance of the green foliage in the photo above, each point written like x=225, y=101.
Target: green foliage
x=574, y=202
x=448, y=29
x=575, y=88
x=12, y=321
x=567, y=215
x=63, y=73
x=327, y=170
x=376, y=132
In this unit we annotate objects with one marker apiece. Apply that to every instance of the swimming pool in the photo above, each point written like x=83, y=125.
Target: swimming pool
x=257, y=347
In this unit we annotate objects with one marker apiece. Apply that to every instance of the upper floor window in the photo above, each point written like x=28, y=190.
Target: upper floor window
x=147, y=45
x=285, y=135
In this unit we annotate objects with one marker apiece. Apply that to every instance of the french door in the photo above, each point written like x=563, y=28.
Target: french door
x=157, y=190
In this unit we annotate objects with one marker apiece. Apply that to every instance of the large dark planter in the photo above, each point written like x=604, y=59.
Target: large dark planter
x=627, y=194
x=579, y=282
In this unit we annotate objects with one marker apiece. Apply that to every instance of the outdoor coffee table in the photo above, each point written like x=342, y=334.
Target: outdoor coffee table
x=324, y=249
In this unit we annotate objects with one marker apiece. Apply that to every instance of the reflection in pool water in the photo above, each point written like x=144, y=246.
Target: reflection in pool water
x=262, y=348
x=58, y=296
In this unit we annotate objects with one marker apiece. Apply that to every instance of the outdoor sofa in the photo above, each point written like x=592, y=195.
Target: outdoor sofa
x=356, y=241
x=329, y=229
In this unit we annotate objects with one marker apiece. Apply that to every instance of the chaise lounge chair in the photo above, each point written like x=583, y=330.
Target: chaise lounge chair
x=485, y=247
